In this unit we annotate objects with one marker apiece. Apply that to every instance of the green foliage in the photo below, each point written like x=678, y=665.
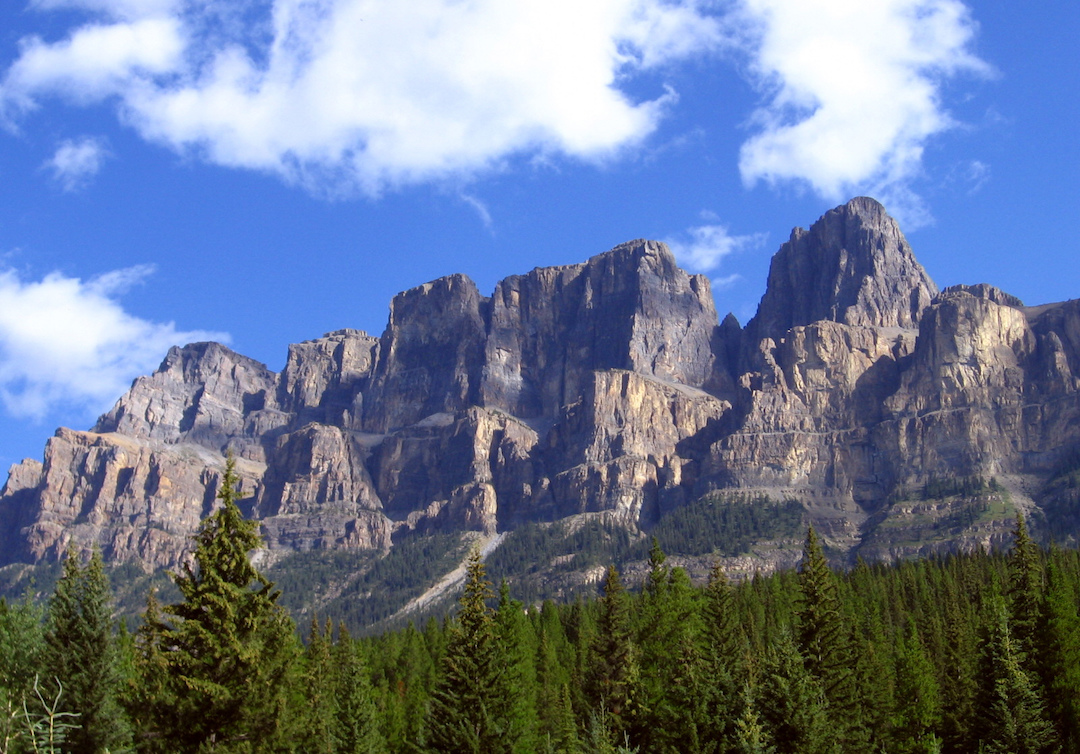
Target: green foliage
x=727, y=524
x=611, y=683
x=80, y=655
x=468, y=706
x=216, y=669
x=364, y=589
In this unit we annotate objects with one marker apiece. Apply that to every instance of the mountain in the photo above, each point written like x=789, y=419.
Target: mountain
x=898, y=419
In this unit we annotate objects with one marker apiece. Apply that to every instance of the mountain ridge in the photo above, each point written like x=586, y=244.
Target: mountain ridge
x=605, y=388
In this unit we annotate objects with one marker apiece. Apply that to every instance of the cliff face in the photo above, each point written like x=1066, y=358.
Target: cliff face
x=608, y=386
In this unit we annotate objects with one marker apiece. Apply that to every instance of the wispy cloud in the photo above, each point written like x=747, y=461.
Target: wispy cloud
x=703, y=248
x=342, y=95
x=69, y=343
x=76, y=161
x=853, y=89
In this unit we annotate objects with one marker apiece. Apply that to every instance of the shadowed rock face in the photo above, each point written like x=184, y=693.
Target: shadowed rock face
x=608, y=385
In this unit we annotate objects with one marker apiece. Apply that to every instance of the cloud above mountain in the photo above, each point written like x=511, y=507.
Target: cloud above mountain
x=341, y=96
x=69, y=342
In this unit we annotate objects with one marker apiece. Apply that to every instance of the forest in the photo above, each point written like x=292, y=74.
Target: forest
x=976, y=652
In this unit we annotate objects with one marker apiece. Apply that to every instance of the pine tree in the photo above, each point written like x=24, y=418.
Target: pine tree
x=1060, y=655
x=1025, y=591
x=519, y=679
x=724, y=694
x=220, y=663
x=612, y=672
x=1011, y=714
x=918, y=702
x=319, y=698
x=356, y=725
x=824, y=640
x=792, y=706
x=80, y=655
x=468, y=709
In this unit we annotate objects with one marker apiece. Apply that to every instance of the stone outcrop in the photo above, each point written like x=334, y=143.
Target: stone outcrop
x=607, y=388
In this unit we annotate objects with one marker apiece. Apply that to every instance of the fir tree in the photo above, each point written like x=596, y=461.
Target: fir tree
x=613, y=668
x=468, y=708
x=918, y=702
x=1011, y=714
x=792, y=704
x=1060, y=656
x=823, y=637
x=220, y=663
x=355, y=725
x=319, y=698
x=1025, y=591
x=80, y=655
x=519, y=679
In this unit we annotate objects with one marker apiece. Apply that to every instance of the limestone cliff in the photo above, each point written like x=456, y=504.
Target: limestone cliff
x=607, y=388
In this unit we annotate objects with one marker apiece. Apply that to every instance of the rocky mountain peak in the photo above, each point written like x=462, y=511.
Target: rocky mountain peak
x=853, y=266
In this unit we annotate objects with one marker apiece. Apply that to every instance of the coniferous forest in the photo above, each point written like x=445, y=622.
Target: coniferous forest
x=968, y=653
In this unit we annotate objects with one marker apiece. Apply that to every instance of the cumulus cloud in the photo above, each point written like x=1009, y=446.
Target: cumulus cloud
x=76, y=161
x=853, y=89
x=68, y=342
x=703, y=248
x=363, y=95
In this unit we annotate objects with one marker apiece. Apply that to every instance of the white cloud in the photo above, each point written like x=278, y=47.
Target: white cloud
x=854, y=89
x=66, y=342
x=705, y=247
x=77, y=161
x=358, y=94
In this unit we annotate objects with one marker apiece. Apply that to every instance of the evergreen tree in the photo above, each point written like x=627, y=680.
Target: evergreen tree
x=918, y=702
x=724, y=694
x=519, y=679
x=668, y=713
x=792, y=704
x=824, y=640
x=612, y=674
x=468, y=708
x=80, y=655
x=1011, y=714
x=1025, y=591
x=356, y=724
x=220, y=663
x=1059, y=664
x=319, y=698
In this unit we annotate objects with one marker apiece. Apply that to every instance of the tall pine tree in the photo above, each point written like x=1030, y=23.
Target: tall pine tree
x=81, y=655
x=468, y=711
x=219, y=664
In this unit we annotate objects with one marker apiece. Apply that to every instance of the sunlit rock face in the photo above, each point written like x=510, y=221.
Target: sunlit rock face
x=607, y=386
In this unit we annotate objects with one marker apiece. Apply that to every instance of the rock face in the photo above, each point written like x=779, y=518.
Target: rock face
x=607, y=386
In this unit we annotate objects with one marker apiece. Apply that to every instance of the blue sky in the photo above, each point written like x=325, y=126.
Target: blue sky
x=264, y=171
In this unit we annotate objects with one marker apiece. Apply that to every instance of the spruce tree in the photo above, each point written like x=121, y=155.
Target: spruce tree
x=792, y=705
x=468, y=708
x=1060, y=656
x=80, y=655
x=519, y=679
x=1025, y=591
x=356, y=724
x=319, y=698
x=612, y=670
x=1010, y=712
x=221, y=658
x=824, y=640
